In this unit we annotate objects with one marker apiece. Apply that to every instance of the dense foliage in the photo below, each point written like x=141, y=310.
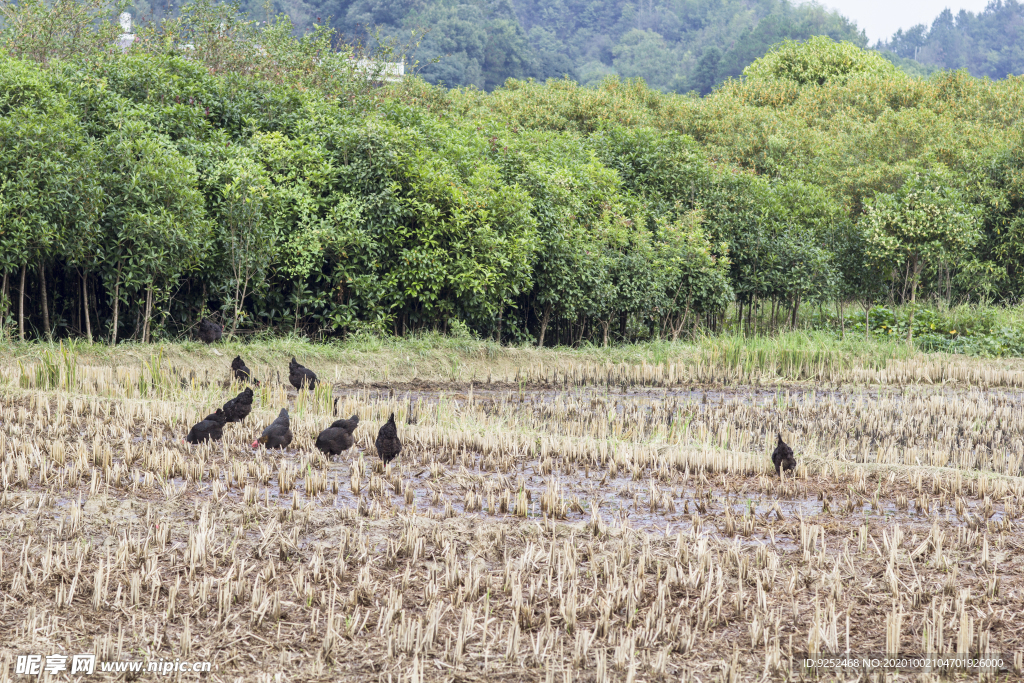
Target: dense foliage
x=224, y=167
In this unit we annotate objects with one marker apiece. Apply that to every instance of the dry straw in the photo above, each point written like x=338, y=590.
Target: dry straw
x=561, y=529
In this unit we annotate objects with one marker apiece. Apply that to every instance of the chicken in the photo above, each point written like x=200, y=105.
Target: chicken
x=210, y=428
x=241, y=372
x=299, y=375
x=239, y=407
x=338, y=438
x=782, y=457
x=278, y=434
x=210, y=331
x=388, y=444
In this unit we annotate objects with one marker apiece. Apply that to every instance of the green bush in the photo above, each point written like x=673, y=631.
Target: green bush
x=969, y=330
x=819, y=60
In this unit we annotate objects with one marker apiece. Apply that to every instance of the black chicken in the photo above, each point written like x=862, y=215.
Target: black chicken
x=388, y=444
x=210, y=331
x=783, y=458
x=210, y=428
x=241, y=372
x=338, y=438
x=299, y=375
x=278, y=433
x=239, y=407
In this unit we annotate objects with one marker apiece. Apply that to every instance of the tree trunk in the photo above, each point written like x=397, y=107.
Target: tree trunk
x=906, y=281
x=623, y=321
x=676, y=329
x=76, y=316
x=85, y=307
x=21, y=306
x=867, y=322
x=46, y=308
x=605, y=324
x=913, y=301
x=501, y=315
x=739, y=327
x=94, y=301
x=6, y=305
x=234, y=322
x=796, y=307
x=148, y=316
x=915, y=268
x=910, y=321
x=544, y=326
x=117, y=307
x=238, y=305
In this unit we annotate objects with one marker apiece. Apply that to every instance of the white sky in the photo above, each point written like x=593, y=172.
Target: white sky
x=881, y=18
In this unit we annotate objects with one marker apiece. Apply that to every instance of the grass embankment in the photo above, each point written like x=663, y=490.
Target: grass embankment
x=966, y=335
x=433, y=357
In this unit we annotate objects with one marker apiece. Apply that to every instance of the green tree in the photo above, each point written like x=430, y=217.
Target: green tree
x=819, y=60
x=696, y=281
x=645, y=54
x=925, y=222
x=48, y=192
x=705, y=76
x=243, y=208
x=155, y=223
x=64, y=29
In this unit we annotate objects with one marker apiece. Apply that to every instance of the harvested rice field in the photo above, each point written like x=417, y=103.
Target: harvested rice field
x=571, y=523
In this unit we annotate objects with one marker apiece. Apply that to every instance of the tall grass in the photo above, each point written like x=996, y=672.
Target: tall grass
x=821, y=340
x=787, y=353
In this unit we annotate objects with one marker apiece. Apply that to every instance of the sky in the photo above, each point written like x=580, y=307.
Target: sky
x=881, y=18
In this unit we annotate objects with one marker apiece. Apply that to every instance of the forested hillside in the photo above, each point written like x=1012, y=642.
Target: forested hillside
x=675, y=45
x=219, y=166
x=989, y=43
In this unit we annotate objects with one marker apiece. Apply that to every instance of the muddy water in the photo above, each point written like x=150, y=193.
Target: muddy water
x=621, y=501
